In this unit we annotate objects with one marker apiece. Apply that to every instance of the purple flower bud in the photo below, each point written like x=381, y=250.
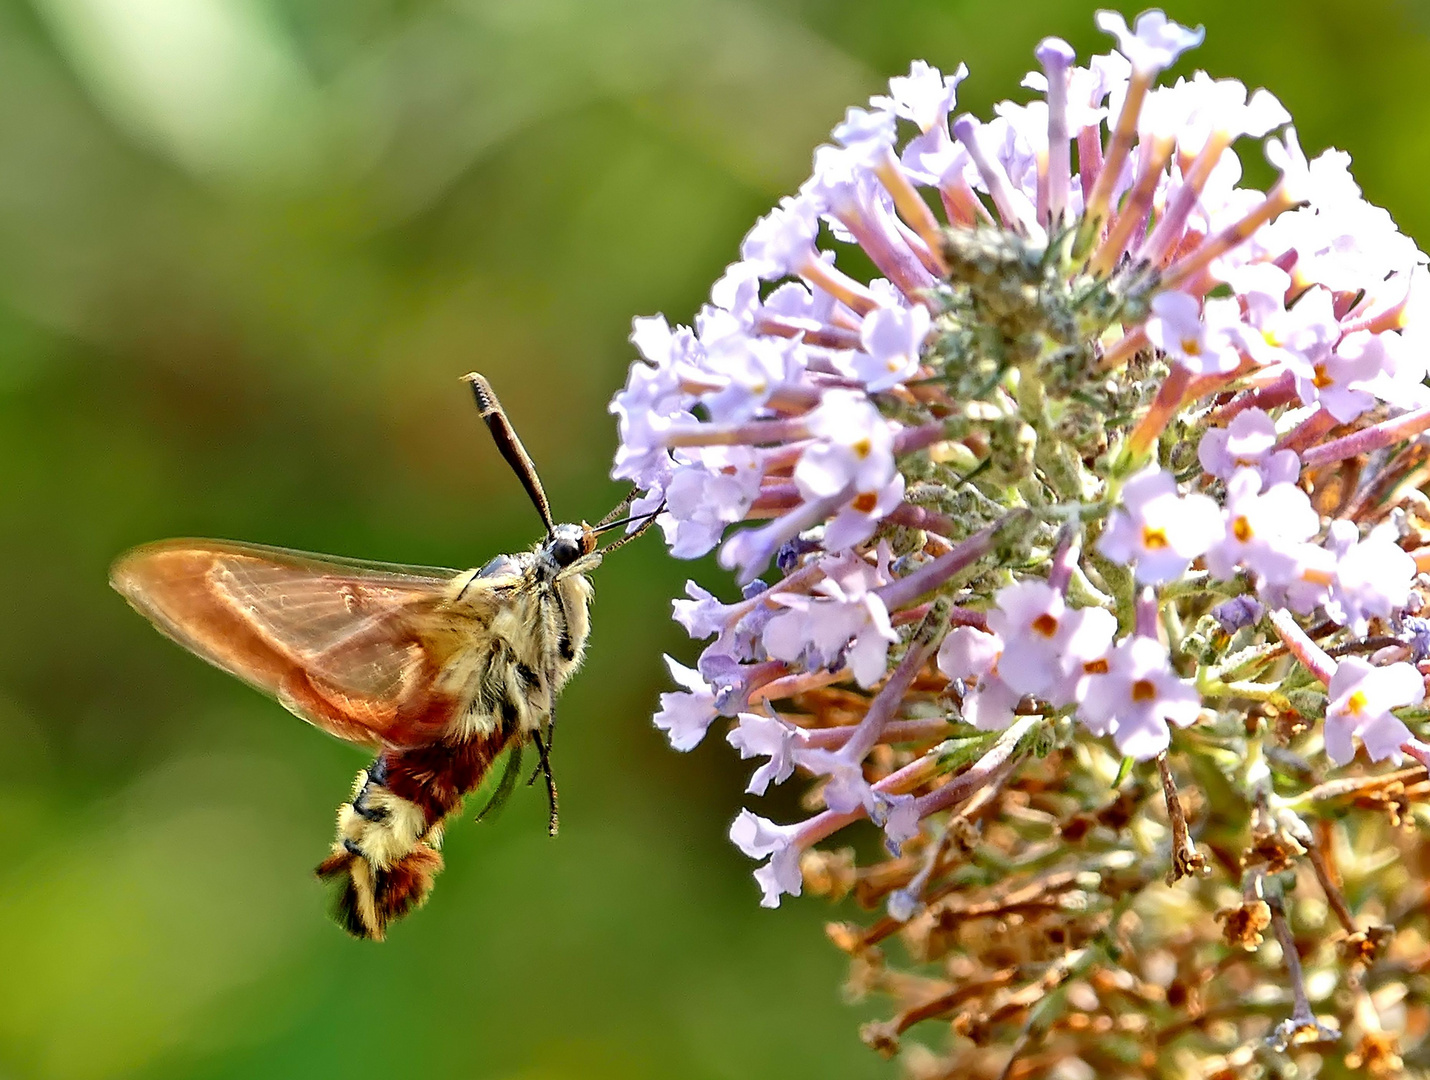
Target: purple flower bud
x=790, y=555
x=1415, y=632
x=1238, y=612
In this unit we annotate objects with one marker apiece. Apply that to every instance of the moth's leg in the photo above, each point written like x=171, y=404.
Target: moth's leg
x=564, y=647
x=543, y=764
x=544, y=749
x=505, y=785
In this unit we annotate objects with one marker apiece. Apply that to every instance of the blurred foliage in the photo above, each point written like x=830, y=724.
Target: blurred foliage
x=248, y=247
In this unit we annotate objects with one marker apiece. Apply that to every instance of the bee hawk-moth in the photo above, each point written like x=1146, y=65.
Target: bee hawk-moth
x=439, y=671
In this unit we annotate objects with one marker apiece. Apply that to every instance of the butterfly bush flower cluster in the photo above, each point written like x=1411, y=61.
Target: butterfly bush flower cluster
x=1103, y=484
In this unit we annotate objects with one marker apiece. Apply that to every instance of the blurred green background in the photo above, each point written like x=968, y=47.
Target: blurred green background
x=246, y=249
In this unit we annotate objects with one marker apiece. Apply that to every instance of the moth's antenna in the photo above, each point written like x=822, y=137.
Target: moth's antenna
x=504, y=435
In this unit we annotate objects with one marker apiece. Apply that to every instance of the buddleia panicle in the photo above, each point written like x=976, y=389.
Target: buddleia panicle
x=1078, y=549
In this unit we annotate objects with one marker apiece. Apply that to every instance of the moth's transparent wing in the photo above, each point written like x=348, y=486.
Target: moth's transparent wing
x=354, y=648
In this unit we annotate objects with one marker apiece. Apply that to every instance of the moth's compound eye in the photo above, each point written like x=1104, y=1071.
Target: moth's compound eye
x=565, y=551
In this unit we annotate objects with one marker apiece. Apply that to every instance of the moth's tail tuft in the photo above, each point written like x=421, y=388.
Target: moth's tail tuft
x=369, y=898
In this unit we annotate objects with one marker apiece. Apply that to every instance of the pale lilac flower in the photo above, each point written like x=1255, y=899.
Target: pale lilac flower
x=1085, y=654
x=759, y=838
x=706, y=494
x=766, y=736
x=1404, y=362
x=1262, y=287
x=737, y=628
x=736, y=292
x=1016, y=209
x=1287, y=158
x=1204, y=338
x=749, y=551
x=1264, y=528
x=925, y=95
x=1358, y=705
x=846, y=790
x=972, y=656
x=867, y=134
x=1309, y=584
x=1223, y=108
x=1034, y=623
x=1248, y=442
x=854, y=447
x=898, y=816
x=857, y=208
x=1372, y=576
x=1158, y=529
x=892, y=337
x=842, y=616
x=660, y=346
x=796, y=300
x=1278, y=337
x=1338, y=379
x=702, y=614
x=652, y=401
x=934, y=159
x=1138, y=697
x=751, y=370
x=861, y=516
x=1154, y=44
x=782, y=241
x=729, y=680
x=1341, y=241
x=685, y=716
x=1088, y=89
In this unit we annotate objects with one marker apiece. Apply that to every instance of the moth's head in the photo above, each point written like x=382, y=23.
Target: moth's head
x=568, y=549
x=571, y=549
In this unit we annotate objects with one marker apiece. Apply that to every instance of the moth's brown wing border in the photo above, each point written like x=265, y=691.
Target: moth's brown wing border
x=346, y=645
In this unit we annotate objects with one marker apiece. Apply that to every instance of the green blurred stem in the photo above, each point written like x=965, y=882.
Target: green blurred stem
x=1251, y=691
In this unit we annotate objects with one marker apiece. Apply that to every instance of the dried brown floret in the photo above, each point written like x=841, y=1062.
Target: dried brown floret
x=1290, y=725
x=1076, y=828
x=1242, y=925
x=881, y=1037
x=1390, y=799
x=1273, y=850
x=1366, y=946
x=1118, y=814
x=828, y=873
x=847, y=937
x=1377, y=1054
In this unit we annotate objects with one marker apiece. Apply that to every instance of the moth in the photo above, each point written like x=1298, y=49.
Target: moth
x=439, y=671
